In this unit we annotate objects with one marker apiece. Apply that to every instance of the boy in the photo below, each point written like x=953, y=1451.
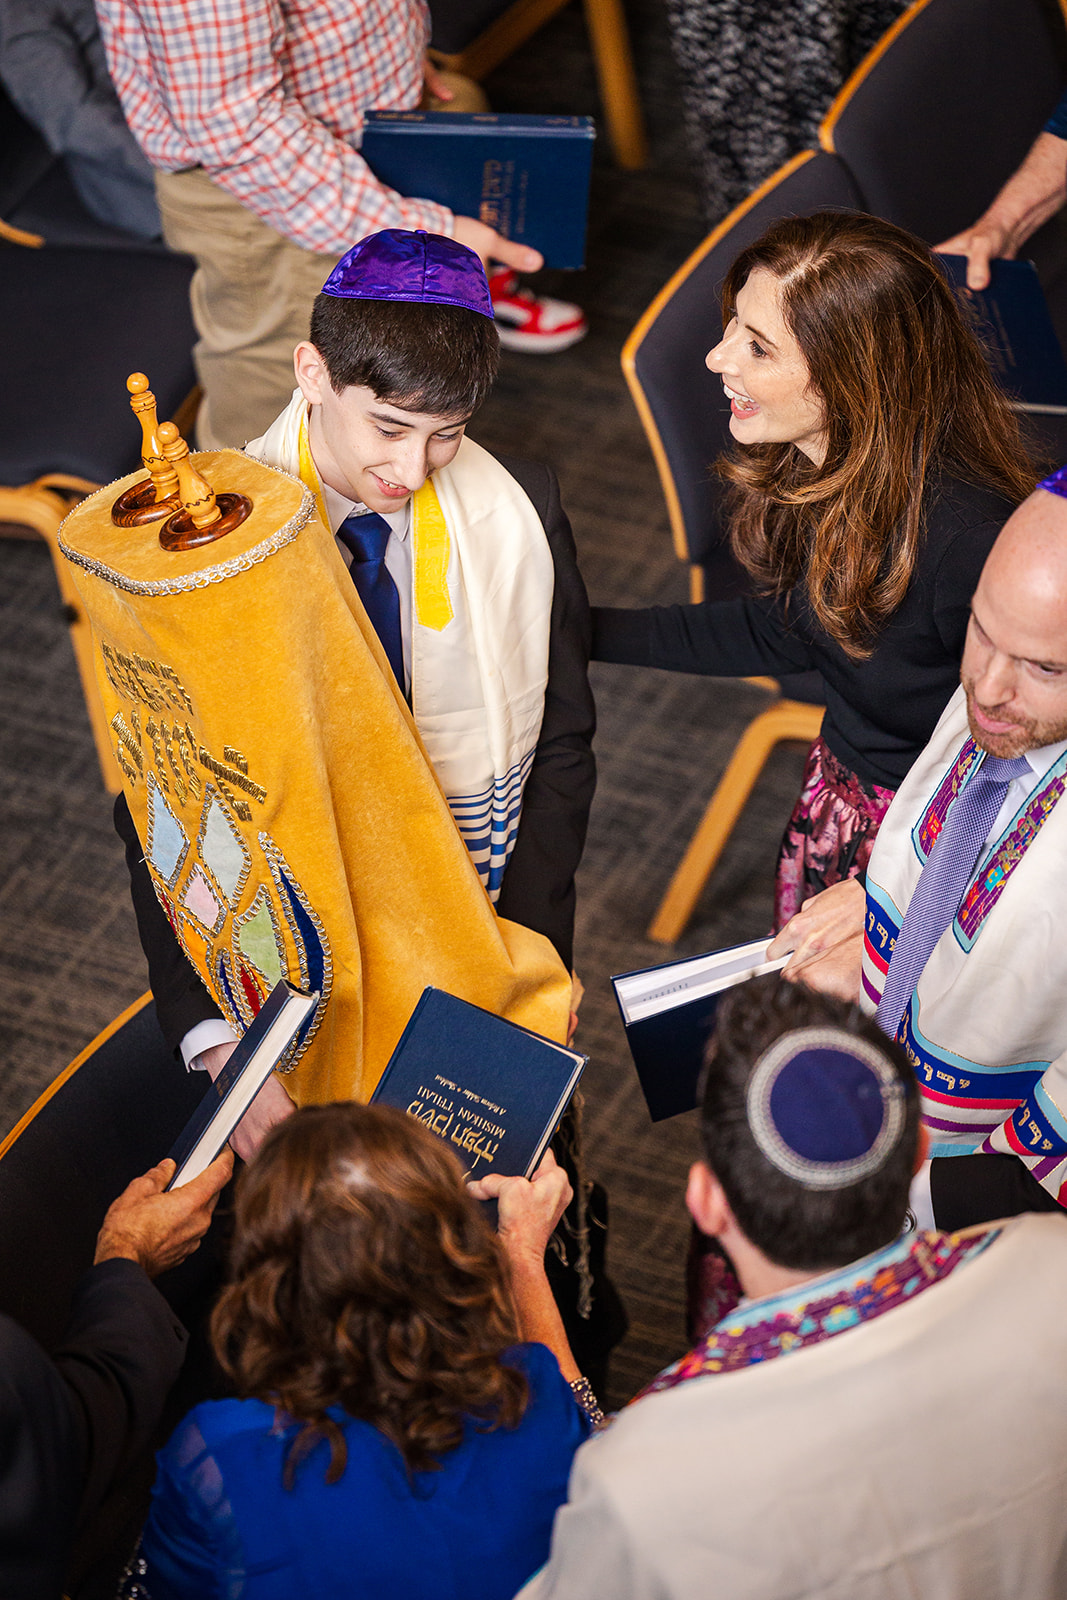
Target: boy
x=477, y=597
x=468, y=572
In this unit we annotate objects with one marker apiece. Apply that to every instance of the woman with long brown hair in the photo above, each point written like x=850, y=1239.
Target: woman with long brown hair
x=391, y=1435
x=876, y=462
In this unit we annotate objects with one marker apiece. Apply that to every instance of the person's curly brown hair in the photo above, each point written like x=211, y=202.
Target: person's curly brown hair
x=363, y=1275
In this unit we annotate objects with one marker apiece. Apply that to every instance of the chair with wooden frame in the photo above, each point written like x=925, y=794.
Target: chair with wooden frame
x=940, y=114
x=474, y=36
x=944, y=108
x=113, y=1113
x=687, y=423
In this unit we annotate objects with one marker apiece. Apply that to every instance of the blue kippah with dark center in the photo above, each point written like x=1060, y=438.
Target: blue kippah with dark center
x=422, y=267
x=1056, y=482
x=825, y=1107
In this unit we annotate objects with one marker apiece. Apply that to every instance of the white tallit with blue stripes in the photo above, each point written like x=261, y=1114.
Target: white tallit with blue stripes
x=478, y=684
x=478, y=675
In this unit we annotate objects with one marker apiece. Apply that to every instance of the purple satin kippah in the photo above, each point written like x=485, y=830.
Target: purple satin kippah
x=421, y=267
x=825, y=1107
x=1056, y=484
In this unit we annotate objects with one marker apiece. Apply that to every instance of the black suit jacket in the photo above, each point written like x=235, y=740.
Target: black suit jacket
x=967, y=1190
x=538, y=888
x=70, y=1422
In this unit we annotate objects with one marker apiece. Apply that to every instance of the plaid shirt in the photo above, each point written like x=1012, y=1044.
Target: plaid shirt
x=268, y=97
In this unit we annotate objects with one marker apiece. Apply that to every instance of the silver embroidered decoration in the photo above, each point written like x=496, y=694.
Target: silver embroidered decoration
x=195, y=580
x=808, y=1172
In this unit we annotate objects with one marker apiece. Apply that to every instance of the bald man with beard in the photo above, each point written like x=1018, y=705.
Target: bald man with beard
x=958, y=939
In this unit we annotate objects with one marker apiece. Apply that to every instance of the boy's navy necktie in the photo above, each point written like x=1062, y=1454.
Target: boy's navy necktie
x=942, y=882
x=367, y=536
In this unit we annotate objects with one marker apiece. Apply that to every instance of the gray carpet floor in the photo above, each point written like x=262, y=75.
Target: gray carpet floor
x=69, y=956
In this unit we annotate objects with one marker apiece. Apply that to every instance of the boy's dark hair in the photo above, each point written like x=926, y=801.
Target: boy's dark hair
x=805, y=1229
x=440, y=360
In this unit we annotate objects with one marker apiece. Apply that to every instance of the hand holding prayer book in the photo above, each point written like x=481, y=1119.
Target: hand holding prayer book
x=265, y=1043
x=494, y=1092
x=669, y=1012
x=526, y=176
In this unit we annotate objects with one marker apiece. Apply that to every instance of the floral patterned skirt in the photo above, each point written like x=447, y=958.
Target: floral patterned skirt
x=830, y=834
x=829, y=837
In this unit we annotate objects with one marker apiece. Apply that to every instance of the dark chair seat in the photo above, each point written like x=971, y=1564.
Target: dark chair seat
x=113, y=1113
x=457, y=23
x=79, y=322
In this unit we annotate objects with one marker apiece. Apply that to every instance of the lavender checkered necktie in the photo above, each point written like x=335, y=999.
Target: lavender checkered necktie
x=943, y=880
x=367, y=536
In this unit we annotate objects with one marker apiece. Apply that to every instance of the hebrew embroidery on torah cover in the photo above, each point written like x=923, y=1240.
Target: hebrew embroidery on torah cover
x=291, y=822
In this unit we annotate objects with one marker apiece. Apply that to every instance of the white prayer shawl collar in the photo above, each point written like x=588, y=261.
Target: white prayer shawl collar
x=481, y=605
x=988, y=1021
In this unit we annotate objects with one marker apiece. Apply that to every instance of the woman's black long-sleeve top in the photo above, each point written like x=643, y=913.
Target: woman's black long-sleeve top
x=880, y=711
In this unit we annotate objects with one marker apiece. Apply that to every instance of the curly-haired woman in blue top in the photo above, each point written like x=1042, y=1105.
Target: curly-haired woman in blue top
x=392, y=1437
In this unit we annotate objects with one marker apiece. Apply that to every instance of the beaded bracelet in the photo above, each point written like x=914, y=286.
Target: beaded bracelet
x=582, y=1391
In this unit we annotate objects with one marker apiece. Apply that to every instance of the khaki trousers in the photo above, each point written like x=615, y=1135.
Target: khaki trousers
x=251, y=302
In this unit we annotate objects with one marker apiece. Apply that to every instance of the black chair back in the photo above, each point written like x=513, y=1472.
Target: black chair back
x=79, y=322
x=112, y=1114
x=681, y=403
x=946, y=106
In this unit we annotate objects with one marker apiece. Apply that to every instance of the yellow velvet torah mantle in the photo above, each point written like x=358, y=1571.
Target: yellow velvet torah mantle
x=291, y=821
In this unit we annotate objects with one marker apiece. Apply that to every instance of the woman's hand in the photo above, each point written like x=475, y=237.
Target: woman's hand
x=826, y=941
x=527, y=1209
x=527, y=1214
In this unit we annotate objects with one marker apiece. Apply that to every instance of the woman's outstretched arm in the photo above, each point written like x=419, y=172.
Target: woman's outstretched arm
x=528, y=1211
x=718, y=638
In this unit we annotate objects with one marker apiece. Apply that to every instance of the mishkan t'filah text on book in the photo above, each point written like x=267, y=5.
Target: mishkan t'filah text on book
x=492, y=1090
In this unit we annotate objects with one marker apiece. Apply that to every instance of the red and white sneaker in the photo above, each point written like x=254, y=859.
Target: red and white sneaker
x=530, y=322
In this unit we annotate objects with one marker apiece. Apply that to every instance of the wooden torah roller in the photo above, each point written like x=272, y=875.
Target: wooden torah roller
x=204, y=516
x=157, y=496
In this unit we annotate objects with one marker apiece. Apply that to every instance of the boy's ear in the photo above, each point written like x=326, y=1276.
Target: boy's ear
x=311, y=372
x=708, y=1205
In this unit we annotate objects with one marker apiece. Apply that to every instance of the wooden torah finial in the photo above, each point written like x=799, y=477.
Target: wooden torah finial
x=158, y=498
x=204, y=516
x=195, y=493
x=143, y=405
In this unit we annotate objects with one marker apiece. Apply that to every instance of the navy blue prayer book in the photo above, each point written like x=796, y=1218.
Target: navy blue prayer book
x=493, y=1091
x=668, y=1012
x=525, y=176
x=264, y=1044
x=1011, y=319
